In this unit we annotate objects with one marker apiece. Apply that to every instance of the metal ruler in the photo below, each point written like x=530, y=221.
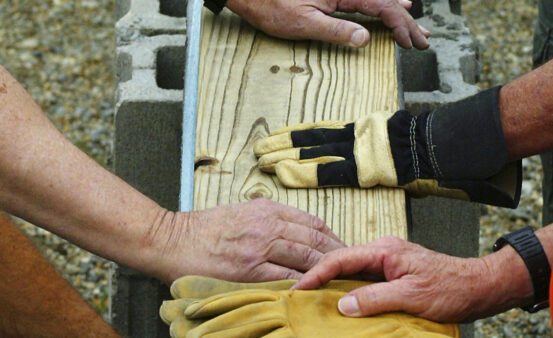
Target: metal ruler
x=190, y=103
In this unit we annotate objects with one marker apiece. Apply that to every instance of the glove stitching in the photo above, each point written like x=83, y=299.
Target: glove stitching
x=414, y=147
x=430, y=145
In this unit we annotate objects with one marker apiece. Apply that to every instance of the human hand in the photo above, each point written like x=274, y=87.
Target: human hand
x=424, y=283
x=310, y=19
x=250, y=242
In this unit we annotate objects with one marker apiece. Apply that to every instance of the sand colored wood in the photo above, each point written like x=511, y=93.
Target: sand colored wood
x=251, y=84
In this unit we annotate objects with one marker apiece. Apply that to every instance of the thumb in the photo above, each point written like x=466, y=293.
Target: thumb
x=343, y=32
x=372, y=299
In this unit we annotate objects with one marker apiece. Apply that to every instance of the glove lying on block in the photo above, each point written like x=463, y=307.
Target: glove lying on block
x=278, y=313
x=456, y=151
x=189, y=289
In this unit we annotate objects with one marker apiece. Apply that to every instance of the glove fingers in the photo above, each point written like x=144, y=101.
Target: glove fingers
x=203, y=287
x=310, y=174
x=268, y=163
x=182, y=325
x=171, y=309
x=340, y=149
x=222, y=303
x=305, y=138
x=311, y=125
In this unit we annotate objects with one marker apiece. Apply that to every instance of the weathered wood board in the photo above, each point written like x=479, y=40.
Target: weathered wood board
x=251, y=84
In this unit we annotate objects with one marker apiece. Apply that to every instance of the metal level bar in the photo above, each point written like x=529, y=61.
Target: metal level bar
x=190, y=103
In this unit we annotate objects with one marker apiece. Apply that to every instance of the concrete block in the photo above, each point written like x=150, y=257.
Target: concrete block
x=148, y=18
x=151, y=69
x=448, y=70
x=148, y=117
x=136, y=305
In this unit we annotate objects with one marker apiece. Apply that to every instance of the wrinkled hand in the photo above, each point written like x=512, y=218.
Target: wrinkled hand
x=424, y=283
x=250, y=242
x=310, y=19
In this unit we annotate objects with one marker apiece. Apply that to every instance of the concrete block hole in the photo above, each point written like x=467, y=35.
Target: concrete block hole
x=170, y=67
x=124, y=67
x=122, y=7
x=455, y=6
x=419, y=70
x=176, y=8
x=417, y=9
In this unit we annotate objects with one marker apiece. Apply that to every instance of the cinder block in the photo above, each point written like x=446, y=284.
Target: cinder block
x=151, y=69
x=448, y=70
x=148, y=117
x=148, y=18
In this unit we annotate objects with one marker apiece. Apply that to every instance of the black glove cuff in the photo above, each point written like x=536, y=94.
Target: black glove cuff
x=528, y=246
x=216, y=6
x=467, y=137
x=461, y=146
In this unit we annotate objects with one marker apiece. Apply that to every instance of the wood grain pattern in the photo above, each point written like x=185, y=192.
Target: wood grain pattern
x=251, y=83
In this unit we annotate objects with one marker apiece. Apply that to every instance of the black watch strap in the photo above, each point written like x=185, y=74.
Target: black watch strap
x=216, y=6
x=528, y=246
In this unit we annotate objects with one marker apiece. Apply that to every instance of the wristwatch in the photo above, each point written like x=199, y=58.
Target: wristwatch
x=216, y=6
x=528, y=246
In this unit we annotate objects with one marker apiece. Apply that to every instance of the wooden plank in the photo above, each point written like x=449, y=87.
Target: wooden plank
x=251, y=83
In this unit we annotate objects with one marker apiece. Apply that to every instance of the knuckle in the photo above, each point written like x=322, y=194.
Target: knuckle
x=318, y=240
x=339, y=28
x=278, y=230
x=391, y=241
x=289, y=274
x=262, y=202
x=310, y=257
x=317, y=224
x=367, y=297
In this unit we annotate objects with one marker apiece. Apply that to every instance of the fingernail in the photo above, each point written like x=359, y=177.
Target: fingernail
x=349, y=306
x=359, y=38
x=424, y=30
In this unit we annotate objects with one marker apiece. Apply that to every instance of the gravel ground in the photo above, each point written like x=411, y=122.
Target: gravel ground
x=63, y=53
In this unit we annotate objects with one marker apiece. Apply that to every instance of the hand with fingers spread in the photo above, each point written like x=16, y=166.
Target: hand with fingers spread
x=416, y=153
x=424, y=283
x=255, y=241
x=311, y=19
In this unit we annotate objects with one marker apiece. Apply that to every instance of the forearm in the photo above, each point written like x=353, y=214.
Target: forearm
x=50, y=182
x=527, y=113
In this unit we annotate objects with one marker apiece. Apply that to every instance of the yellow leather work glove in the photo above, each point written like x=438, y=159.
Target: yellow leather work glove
x=299, y=314
x=456, y=151
x=282, y=313
x=189, y=289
